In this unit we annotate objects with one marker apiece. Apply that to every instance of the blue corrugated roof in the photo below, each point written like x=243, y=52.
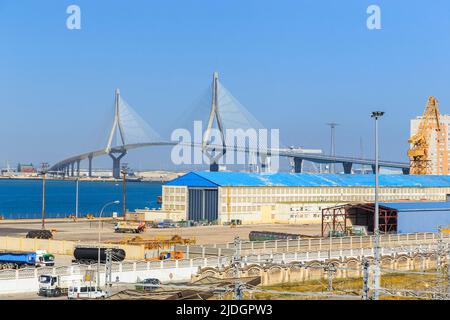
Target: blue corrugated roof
x=192, y=179
x=417, y=205
x=206, y=178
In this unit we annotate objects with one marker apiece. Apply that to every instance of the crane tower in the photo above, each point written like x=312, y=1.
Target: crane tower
x=419, y=151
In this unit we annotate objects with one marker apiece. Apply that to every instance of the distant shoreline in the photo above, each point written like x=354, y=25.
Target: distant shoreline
x=84, y=179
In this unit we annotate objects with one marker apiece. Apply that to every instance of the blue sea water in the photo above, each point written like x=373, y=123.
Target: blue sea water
x=22, y=199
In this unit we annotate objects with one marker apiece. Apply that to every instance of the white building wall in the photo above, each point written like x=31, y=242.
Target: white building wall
x=305, y=204
x=292, y=204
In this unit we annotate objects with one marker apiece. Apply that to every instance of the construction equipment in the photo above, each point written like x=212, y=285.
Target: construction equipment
x=133, y=227
x=156, y=243
x=167, y=255
x=419, y=153
x=445, y=229
x=172, y=255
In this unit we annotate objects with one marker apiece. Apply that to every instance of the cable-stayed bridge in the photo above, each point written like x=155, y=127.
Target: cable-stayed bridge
x=129, y=131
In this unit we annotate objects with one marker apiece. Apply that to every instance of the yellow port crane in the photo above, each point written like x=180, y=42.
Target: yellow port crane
x=418, y=153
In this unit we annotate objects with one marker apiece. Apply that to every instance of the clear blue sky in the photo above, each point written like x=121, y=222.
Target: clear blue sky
x=294, y=64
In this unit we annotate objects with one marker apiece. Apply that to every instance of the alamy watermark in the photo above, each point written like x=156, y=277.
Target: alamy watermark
x=73, y=21
x=241, y=146
x=374, y=20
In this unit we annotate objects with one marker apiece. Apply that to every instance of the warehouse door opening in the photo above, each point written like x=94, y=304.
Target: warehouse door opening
x=203, y=204
x=346, y=219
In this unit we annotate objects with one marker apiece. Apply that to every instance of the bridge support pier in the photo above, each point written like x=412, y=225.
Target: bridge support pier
x=265, y=163
x=72, y=169
x=347, y=167
x=298, y=165
x=78, y=168
x=214, y=167
x=116, y=163
x=373, y=169
x=90, y=166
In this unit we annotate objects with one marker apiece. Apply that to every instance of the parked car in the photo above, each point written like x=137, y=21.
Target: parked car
x=149, y=284
x=83, y=291
x=167, y=223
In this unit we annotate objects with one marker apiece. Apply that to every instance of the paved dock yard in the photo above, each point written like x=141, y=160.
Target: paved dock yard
x=87, y=231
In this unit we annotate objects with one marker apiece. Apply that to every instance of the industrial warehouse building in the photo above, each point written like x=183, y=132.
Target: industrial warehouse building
x=287, y=197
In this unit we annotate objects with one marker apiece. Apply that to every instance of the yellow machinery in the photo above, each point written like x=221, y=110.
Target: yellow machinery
x=420, y=162
x=445, y=229
x=156, y=243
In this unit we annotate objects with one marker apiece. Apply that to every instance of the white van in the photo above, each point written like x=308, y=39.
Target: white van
x=84, y=291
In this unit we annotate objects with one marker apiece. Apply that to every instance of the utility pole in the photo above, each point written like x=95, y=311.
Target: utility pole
x=376, y=228
x=124, y=188
x=99, y=238
x=331, y=269
x=333, y=126
x=365, y=264
x=108, y=272
x=238, y=294
x=442, y=251
x=448, y=270
x=44, y=167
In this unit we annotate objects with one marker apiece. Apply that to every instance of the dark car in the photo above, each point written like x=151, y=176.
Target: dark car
x=167, y=223
x=148, y=284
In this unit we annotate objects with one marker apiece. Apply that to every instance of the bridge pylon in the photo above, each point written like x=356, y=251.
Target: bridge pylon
x=117, y=153
x=214, y=155
x=117, y=124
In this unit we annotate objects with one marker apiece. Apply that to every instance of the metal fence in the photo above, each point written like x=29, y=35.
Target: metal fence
x=319, y=244
x=285, y=257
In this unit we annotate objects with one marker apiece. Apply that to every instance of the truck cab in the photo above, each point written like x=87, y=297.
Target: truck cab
x=50, y=286
x=44, y=259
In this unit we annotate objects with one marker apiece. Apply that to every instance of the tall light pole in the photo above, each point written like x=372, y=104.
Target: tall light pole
x=124, y=188
x=333, y=144
x=376, y=228
x=44, y=167
x=99, y=233
x=76, y=198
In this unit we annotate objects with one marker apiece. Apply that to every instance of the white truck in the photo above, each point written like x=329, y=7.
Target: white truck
x=72, y=286
x=126, y=226
x=55, y=286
